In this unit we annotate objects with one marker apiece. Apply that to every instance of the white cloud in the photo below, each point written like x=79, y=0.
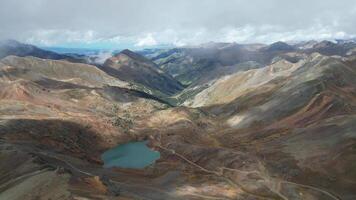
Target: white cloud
x=53, y=37
x=238, y=34
x=102, y=56
x=147, y=40
x=181, y=22
x=270, y=33
x=242, y=34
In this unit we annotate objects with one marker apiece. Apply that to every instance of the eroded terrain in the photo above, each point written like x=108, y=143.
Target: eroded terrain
x=282, y=129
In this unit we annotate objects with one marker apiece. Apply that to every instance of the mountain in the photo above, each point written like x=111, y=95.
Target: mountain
x=229, y=87
x=12, y=47
x=305, y=44
x=256, y=122
x=51, y=108
x=188, y=64
x=37, y=69
x=209, y=77
x=279, y=46
x=305, y=110
x=312, y=74
x=331, y=48
x=134, y=68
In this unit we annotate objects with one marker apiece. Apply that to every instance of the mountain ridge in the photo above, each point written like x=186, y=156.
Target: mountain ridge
x=255, y=122
x=130, y=66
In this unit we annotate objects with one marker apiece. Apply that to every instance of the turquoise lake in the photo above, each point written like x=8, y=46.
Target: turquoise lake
x=134, y=155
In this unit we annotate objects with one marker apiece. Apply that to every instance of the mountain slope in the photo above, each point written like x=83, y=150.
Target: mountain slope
x=12, y=47
x=134, y=68
x=280, y=130
x=304, y=120
x=191, y=63
x=282, y=79
x=36, y=69
x=330, y=48
x=188, y=64
x=297, y=117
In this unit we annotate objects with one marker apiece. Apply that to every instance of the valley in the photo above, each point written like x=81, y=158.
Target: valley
x=224, y=121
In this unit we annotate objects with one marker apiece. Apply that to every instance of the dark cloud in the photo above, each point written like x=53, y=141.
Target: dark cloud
x=150, y=22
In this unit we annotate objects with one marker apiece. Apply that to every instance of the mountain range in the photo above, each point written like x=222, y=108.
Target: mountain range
x=231, y=121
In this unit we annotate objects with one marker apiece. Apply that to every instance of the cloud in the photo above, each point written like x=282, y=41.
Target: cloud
x=147, y=40
x=54, y=37
x=142, y=23
x=244, y=34
x=102, y=56
x=270, y=33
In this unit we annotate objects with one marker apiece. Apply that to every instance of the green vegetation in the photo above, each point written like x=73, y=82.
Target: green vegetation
x=124, y=122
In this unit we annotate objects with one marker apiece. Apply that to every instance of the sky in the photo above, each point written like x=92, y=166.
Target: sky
x=110, y=24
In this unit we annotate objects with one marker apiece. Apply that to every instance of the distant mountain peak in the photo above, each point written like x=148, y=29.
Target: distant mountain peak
x=13, y=47
x=324, y=44
x=10, y=42
x=132, y=55
x=127, y=52
x=279, y=46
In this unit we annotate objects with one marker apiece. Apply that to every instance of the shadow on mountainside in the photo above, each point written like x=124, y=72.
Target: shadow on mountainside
x=61, y=136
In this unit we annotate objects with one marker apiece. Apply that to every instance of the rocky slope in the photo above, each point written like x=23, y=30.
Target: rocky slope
x=303, y=113
x=284, y=129
x=60, y=116
x=188, y=64
x=36, y=69
x=132, y=67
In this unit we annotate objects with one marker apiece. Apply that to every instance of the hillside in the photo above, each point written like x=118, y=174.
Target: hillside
x=15, y=48
x=188, y=64
x=134, y=68
x=279, y=126
x=36, y=69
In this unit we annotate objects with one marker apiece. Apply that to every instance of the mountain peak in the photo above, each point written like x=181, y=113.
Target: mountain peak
x=324, y=44
x=127, y=52
x=13, y=47
x=132, y=55
x=10, y=43
x=133, y=67
x=279, y=46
